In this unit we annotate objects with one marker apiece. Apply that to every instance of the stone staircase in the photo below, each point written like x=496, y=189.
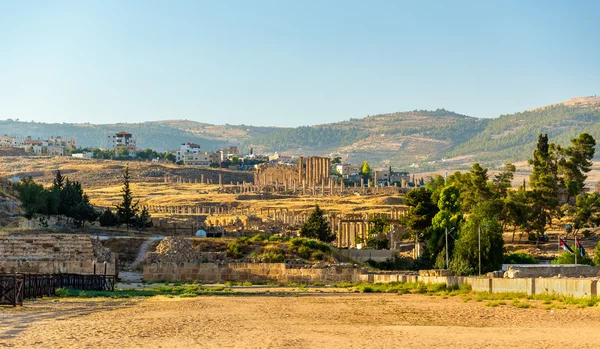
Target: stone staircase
x=56, y=247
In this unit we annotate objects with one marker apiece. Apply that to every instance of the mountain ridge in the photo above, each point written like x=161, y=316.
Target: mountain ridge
x=428, y=138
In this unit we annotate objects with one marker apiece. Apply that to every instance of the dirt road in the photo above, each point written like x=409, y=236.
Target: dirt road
x=307, y=321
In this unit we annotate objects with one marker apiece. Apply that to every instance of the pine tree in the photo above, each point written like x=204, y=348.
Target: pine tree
x=84, y=212
x=58, y=181
x=127, y=209
x=108, y=219
x=316, y=227
x=577, y=163
x=544, y=183
x=143, y=219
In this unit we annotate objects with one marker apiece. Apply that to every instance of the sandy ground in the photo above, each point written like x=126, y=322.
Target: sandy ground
x=326, y=320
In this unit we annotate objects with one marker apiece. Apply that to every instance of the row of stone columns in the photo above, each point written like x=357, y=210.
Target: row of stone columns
x=314, y=169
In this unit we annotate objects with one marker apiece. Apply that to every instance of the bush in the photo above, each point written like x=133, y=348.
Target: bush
x=317, y=255
x=235, y=250
x=519, y=258
x=258, y=237
x=569, y=258
x=270, y=256
x=276, y=238
x=403, y=263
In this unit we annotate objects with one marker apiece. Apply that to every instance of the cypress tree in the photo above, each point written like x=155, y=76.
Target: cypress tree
x=127, y=209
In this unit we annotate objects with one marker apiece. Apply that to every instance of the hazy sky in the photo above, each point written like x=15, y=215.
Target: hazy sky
x=290, y=62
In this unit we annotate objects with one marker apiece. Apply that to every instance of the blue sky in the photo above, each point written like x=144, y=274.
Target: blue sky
x=290, y=63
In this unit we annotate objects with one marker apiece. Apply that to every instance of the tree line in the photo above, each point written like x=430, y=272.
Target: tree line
x=470, y=205
x=67, y=198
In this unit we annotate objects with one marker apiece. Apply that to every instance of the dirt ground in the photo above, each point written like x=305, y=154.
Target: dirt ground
x=326, y=320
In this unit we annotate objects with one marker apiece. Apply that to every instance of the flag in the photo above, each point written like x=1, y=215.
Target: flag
x=561, y=243
x=580, y=247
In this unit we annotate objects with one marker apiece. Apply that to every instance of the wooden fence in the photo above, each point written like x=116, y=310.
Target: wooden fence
x=14, y=288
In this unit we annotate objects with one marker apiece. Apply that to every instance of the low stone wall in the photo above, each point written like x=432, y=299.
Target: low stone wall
x=571, y=287
x=364, y=255
x=281, y=272
x=253, y=272
x=551, y=270
x=55, y=267
x=514, y=285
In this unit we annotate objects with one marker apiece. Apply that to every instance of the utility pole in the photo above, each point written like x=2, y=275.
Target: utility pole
x=480, y=249
x=576, y=249
x=447, y=248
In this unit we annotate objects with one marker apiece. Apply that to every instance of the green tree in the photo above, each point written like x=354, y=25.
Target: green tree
x=448, y=217
x=30, y=194
x=585, y=213
x=597, y=255
x=170, y=157
x=127, y=209
x=502, y=181
x=316, y=227
x=59, y=181
x=475, y=188
x=336, y=160
x=517, y=211
x=465, y=259
x=83, y=212
x=569, y=258
x=421, y=209
x=435, y=185
x=143, y=220
x=122, y=153
x=377, y=233
x=365, y=171
x=108, y=219
x=544, y=183
x=577, y=162
x=70, y=196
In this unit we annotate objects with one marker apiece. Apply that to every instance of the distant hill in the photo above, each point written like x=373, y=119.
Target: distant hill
x=158, y=135
x=431, y=139
x=513, y=137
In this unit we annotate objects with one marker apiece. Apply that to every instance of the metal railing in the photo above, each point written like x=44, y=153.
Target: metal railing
x=14, y=288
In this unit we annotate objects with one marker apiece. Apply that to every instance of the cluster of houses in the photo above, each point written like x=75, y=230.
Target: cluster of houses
x=57, y=146
x=191, y=154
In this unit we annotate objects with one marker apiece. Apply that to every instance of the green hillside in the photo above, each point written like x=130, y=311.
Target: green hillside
x=512, y=137
x=399, y=139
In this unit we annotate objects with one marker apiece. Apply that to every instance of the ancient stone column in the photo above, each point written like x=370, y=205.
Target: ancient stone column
x=220, y=180
x=300, y=168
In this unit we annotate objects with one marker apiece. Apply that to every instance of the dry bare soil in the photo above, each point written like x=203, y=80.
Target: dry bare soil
x=326, y=320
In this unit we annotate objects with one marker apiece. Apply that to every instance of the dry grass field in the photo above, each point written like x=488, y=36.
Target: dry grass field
x=311, y=320
x=102, y=182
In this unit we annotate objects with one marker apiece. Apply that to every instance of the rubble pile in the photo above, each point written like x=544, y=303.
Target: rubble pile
x=176, y=246
x=175, y=249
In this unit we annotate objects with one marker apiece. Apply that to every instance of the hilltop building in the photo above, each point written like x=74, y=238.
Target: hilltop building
x=53, y=146
x=228, y=153
x=191, y=155
x=122, y=140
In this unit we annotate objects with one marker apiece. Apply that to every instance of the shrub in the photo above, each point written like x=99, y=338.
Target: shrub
x=235, y=250
x=519, y=258
x=597, y=255
x=317, y=255
x=569, y=258
x=258, y=237
x=271, y=256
